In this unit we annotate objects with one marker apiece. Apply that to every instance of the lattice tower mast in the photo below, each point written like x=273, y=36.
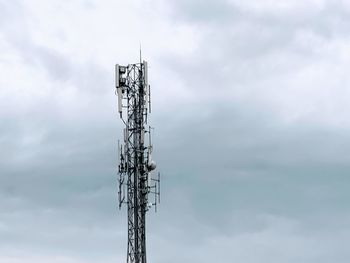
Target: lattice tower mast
x=135, y=153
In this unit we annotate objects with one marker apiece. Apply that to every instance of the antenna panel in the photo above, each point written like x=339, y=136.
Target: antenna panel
x=146, y=82
x=116, y=75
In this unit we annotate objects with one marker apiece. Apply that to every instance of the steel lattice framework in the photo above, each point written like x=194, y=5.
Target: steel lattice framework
x=136, y=164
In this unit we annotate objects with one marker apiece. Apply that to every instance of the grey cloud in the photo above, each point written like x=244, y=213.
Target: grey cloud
x=10, y=11
x=87, y=74
x=63, y=192
x=235, y=177
x=242, y=164
x=88, y=77
x=250, y=38
x=204, y=11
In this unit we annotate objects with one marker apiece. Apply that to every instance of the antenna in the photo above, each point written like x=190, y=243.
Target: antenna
x=136, y=164
x=120, y=82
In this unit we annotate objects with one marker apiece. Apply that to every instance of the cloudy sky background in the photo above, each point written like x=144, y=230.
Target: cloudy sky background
x=250, y=104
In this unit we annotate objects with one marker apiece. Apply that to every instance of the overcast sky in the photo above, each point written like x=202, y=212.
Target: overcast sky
x=251, y=109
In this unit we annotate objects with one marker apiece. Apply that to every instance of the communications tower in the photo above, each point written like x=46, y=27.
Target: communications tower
x=135, y=152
